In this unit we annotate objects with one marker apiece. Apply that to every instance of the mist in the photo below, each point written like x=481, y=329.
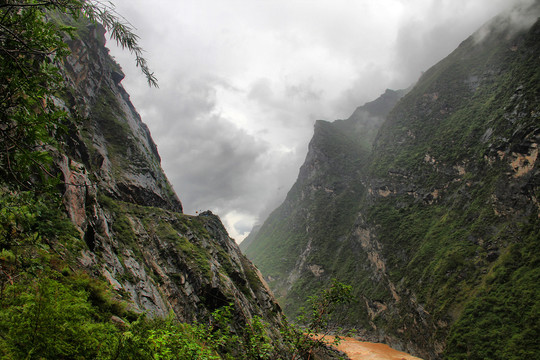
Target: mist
x=241, y=83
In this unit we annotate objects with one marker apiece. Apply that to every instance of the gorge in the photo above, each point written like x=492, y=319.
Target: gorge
x=423, y=204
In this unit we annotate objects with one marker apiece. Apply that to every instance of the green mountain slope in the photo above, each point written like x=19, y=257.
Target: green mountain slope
x=301, y=241
x=438, y=228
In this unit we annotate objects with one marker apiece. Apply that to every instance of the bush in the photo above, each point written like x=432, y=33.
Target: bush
x=50, y=320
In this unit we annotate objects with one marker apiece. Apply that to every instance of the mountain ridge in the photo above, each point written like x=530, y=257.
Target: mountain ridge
x=443, y=213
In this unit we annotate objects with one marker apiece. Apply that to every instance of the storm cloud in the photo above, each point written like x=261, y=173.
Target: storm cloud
x=242, y=82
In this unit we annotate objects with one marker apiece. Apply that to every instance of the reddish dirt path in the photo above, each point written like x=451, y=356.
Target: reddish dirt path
x=360, y=350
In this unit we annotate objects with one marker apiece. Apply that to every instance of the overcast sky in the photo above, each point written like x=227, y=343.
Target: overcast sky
x=241, y=83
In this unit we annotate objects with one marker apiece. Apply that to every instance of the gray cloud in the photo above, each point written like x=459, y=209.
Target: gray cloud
x=426, y=38
x=242, y=82
x=517, y=18
x=243, y=227
x=261, y=91
x=303, y=91
x=205, y=155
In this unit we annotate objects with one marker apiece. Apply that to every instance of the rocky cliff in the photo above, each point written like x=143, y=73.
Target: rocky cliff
x=436, y=225
x=116, y=194
x=321, y=205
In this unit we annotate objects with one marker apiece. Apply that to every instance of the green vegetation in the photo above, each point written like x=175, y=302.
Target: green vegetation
x=501, y=320
x=323, y=315
x=443, y=211
x=49, y=307
x=319, y=213
x=28, y=50
x=48, y=310
x=31, y=48
x=454, y=251
x=73, y=317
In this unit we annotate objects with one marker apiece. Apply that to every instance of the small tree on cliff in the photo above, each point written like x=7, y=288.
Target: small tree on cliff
x=317, y=319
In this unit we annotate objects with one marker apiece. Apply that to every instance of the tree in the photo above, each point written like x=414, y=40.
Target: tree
x=318, y=319
x=32, y=46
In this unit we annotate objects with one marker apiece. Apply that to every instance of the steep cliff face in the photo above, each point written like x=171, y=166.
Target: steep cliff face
x=305, y=240
x=135, y=235
x=111, y=140
x=454, y=185
x=440, y=235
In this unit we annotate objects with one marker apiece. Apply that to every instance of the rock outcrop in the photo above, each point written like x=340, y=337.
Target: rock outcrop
x=321, y=206
x=116, y=194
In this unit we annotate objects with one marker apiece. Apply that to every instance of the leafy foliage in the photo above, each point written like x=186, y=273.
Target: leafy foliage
x=120, y=30
x=323, y=307
x=57, y=319
x=69, y=316
x=32, y=46
x=322, y=317
x=50, y=321
x=48, y=309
